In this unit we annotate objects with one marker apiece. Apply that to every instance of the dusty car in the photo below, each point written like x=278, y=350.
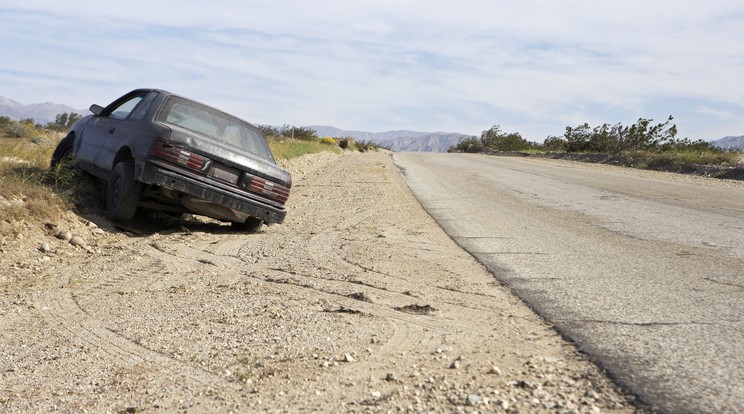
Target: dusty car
x=165, y=152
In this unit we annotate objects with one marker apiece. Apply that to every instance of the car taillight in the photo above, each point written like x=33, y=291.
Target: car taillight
x=273, y=190
x=179, y=156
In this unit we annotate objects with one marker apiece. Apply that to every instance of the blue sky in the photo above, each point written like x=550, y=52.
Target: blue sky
x=533, y=67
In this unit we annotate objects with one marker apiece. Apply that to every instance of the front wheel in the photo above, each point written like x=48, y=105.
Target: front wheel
x=250, y=225
x=63, y=153
x=123, y=193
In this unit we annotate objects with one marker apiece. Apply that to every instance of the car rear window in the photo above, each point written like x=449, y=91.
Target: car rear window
x=214, y=124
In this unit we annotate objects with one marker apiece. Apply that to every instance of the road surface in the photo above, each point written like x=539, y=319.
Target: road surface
x=643, y=270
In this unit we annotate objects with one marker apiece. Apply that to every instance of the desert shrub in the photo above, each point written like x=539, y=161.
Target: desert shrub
x=553, y=143
x=344, y=143
x=328, y=141
x=364, y=146
x=299, y=133
x=497, y=140
x=615, y=139
x=469, y=144
x=20, y=130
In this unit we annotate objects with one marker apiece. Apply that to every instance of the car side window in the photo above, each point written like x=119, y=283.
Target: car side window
x=122, y=111
x=141, y=109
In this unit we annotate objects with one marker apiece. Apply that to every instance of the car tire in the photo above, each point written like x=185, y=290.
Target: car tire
x=62, y=153
x=123, y=193
x=250, y=225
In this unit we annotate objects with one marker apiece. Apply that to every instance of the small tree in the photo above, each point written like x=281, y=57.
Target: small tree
x=64, y=121
x=577, y=139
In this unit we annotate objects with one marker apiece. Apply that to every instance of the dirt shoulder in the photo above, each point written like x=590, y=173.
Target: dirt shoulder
x=359, y=302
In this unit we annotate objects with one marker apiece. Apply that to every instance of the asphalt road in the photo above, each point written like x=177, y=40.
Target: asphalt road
x=643, y=270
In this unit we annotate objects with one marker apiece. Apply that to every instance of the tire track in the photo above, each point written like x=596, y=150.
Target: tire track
x=60, y=308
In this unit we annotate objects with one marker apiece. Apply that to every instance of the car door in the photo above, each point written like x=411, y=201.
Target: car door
x=104, y=135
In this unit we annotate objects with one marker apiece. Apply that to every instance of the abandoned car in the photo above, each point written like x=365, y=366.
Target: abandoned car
x=164, y=152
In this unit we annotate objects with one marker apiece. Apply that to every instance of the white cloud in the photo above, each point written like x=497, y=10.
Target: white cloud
x=531, y=66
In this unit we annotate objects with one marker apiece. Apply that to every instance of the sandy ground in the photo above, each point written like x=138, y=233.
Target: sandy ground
x=359, y=302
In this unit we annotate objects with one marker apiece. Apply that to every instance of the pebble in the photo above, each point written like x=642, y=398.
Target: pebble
x=77, y=241
x=44, y=248
x=348, y=358
x=65, y=235
x=474, y=399
x=494, y=370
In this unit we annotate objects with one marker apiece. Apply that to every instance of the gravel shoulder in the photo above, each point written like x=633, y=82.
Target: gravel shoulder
x=359, y=302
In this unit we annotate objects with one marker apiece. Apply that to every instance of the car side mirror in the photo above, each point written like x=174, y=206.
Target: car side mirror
x=96, y=109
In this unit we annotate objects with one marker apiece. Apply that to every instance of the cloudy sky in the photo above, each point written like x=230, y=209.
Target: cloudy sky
x=531, y=66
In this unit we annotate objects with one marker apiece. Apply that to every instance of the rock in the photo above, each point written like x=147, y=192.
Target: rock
x=348, y=358
x=64, y=235
x=455, y=365
x=473, y=399
x=77, y=241
x=494, y=370
x=390, y=377
x=44, y=248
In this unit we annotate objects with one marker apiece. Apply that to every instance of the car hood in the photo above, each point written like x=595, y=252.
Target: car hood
x=229, y=155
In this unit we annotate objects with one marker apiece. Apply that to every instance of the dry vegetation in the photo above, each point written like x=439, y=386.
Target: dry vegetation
x=27, y=188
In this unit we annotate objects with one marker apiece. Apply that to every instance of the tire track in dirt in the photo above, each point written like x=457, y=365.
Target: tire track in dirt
x=67, y=317
x=65, y=310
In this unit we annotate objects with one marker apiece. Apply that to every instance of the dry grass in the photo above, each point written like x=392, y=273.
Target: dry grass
x=284, y=149
x=26, y=190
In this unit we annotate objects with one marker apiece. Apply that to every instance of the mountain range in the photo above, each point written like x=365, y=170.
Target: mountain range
x=730, y=142
x=41, y=113
x=399, y=140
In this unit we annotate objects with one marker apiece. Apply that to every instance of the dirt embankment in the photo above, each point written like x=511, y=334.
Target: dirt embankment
x=357, y=303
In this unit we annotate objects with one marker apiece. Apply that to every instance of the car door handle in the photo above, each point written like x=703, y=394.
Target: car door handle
x=111, y=131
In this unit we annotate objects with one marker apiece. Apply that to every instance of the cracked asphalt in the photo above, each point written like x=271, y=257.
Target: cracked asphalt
x=643, y=270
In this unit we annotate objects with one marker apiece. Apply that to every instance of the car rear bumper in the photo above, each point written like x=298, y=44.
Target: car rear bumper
x=202, y=192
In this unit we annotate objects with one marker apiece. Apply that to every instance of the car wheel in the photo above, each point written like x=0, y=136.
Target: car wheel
x=250, y=225
x=123, y=193
x=62, y=153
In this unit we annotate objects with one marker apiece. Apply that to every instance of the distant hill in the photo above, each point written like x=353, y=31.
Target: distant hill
x=41, y=113
x=401, y=140
x=730, y=142
x=434, y=142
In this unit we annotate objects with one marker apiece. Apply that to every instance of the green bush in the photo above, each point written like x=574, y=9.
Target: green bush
x=553, y=143
x=469, y=144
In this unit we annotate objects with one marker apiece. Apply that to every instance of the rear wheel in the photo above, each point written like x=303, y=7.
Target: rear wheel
x=250, y=225
x=123, y=193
